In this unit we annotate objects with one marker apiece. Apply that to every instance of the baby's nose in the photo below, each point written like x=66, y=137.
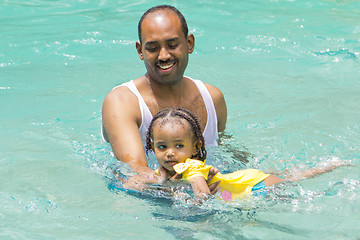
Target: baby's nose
x=170, y=153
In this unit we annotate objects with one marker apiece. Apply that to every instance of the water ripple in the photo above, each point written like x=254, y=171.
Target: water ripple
x=338, y=54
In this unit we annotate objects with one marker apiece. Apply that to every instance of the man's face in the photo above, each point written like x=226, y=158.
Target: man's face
x=164, y=47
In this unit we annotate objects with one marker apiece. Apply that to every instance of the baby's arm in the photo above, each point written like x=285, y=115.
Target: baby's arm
x=200, y=187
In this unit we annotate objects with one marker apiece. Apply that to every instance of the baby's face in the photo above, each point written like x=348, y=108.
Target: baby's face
x=173, y=143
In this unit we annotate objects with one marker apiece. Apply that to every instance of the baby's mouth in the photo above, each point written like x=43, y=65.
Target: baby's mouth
x=171, y=162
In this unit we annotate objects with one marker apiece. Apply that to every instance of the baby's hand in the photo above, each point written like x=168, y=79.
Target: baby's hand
x=176, y=177
x=214, y=187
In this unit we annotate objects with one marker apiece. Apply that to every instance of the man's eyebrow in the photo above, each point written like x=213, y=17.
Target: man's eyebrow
x=150, y=42
x=172, y=39
x=167, y=40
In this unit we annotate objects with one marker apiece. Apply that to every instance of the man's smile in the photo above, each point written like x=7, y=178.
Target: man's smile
x=166, y=66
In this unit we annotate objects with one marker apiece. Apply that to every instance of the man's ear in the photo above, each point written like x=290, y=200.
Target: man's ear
x=139, y=50
x=191, y=42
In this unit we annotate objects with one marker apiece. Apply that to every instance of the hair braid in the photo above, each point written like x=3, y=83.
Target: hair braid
x=181, y=113
x=149, y=133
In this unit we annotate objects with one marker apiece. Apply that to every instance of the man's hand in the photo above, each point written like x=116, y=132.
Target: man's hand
x=134, y=183
x=144, y=180
x=141, y=181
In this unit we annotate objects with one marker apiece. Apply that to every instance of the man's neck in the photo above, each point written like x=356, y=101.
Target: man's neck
x=173, y=93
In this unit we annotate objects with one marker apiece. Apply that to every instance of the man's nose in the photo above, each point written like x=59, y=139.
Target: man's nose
x=164, y=54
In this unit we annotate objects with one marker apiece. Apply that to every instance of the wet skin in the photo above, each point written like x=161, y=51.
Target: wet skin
x=164, y=47
x=173, y=144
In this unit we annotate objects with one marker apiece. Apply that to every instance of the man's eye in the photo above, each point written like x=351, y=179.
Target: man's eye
x=151, y=49
x=173, y=46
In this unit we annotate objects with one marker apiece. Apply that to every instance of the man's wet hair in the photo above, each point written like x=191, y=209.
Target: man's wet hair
x=162, y=7
x=173, y=115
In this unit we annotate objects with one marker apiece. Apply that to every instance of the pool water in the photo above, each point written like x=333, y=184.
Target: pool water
x=289, y=71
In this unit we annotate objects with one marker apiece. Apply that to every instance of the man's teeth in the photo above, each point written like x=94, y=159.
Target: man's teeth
x=166, y=66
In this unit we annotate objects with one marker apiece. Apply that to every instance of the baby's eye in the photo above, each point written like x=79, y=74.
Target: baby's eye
x=161, y=147
x=179, y=145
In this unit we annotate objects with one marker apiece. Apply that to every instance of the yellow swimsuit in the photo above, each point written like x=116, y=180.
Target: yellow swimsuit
x=232, y=186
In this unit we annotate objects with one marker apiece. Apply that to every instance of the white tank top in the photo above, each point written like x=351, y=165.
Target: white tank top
x=211, y=131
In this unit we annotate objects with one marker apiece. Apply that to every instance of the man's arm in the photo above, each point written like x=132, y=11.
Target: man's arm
x=121, y=118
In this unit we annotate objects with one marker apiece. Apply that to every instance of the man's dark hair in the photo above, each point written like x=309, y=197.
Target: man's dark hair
x=162, y=7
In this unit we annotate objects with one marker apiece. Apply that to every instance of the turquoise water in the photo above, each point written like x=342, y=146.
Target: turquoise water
x=290, y=74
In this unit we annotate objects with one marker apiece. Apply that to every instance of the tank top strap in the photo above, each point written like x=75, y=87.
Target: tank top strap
x=211, y=128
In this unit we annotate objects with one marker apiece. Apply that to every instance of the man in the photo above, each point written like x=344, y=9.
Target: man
x=164, y=45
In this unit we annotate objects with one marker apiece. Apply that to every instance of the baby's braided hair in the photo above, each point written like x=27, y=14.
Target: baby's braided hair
x=172, y=113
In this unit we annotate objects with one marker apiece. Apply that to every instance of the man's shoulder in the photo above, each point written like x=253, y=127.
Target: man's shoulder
x=121, y=95
x=125, y=87
x=209, y=87
x=121, y=103
x=120, y=92
x=215, y=92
